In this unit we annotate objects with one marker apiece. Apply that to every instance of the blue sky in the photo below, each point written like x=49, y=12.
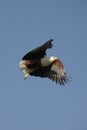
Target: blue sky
x=35, y=103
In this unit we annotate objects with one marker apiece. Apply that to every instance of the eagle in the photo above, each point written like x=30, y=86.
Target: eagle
x=37, y=63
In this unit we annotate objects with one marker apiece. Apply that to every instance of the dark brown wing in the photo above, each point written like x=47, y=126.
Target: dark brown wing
x=39, y=52
x=55, y=72
x=41, y=72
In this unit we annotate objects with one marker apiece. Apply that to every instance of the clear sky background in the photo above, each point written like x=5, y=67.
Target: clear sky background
x=35, y=103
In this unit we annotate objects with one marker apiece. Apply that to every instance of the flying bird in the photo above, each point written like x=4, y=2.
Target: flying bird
x=37, y=63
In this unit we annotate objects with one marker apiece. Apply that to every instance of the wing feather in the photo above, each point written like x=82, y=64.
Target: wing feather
x=39, y=52
x=55, y=72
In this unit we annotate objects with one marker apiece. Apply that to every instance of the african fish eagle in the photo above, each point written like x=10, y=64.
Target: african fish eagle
x=37, y=63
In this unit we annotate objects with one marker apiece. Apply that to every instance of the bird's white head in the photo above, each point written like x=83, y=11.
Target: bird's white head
x=48, y=60
x=52, y=58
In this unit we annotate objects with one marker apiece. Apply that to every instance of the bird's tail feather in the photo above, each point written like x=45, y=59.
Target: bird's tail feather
x=23, y=67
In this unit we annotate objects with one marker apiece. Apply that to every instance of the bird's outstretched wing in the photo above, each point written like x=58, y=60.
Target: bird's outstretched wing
x=55, y=72
x=39, y=52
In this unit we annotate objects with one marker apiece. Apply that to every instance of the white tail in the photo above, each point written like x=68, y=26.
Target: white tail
x=24, y=68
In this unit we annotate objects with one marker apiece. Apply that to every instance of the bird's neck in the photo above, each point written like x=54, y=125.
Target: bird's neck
x=46, y=61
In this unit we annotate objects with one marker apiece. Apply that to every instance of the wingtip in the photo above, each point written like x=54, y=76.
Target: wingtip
x=51, y=40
